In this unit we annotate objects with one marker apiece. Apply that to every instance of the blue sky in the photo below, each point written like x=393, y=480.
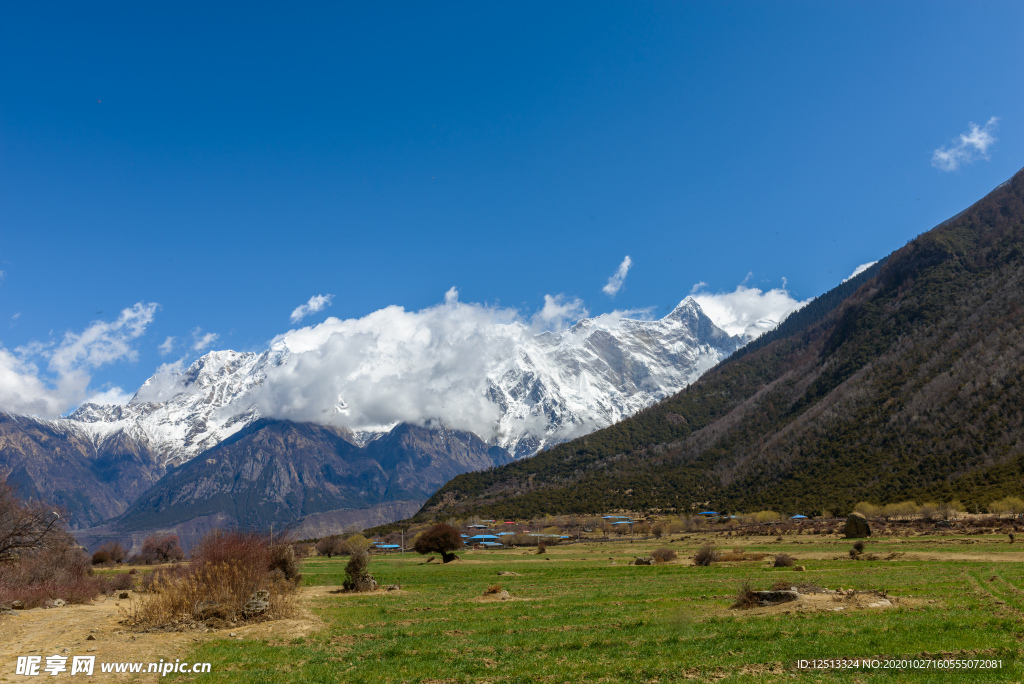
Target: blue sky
x=226, y=164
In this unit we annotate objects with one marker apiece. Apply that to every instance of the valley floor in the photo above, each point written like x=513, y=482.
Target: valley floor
x=581, y=613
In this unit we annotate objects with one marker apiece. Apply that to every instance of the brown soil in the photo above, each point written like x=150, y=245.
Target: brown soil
x=64, y=631
x=831, y=603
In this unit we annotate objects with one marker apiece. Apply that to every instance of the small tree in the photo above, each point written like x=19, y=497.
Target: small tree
x=658, y=529
x=161, y=549
x=24, y=525
x=332, y=546
x=440, y=538
x=356, y=576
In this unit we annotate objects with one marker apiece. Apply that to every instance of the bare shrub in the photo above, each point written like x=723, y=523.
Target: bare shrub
x=542, y=548
x=664, y=555
x=118, y=581
x=859, y=547
x=24, y=525
x=58, y=570
x=745, y=597
x=658, y=530
x=784, y=560
x=302, y=550
x=233, y=577
x=101, y=558
x=114, y=551
x=493, y=589
x=706, y=555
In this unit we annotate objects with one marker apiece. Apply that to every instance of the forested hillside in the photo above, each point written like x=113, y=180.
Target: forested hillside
x=904, y=383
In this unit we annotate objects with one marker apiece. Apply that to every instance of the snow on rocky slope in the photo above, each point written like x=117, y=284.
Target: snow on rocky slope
x=535, y=389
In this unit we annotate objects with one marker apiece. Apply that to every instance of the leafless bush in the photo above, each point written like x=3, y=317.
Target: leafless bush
x=493, y=589
x=233, y=577
x=58, y=570
x=24, y=525
x=859, y=547
x=113, y=550
x=542, y=548
x=706, y=555
x=664, y=555
x=784, y=560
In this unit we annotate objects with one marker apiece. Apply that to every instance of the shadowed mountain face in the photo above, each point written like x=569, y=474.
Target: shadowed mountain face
x=289, y=474
x=906, y=382
x=91, y=481
x=286, y=473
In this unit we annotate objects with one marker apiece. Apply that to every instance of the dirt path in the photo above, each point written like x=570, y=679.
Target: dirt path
x=65, y=632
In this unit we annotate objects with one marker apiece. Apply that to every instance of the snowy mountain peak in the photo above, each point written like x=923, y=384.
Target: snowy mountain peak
x=513, y=387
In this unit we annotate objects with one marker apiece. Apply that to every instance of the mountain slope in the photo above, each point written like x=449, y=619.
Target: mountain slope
x=296, y=474
x=910, y=387
x=91, y=480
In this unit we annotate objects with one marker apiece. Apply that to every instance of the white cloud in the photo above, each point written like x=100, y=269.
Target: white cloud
x=202, y=341
x=559, y=312
x=860, y=269
x=395, y=365
x=747, y=311
x=70, y=362
x=167, y=346
x=971, y=145
x=112, y=395
x=618, y=278
x=16, y=316
x=316, y=304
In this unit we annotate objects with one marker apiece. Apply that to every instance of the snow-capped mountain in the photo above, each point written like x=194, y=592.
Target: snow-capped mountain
x=515, y=388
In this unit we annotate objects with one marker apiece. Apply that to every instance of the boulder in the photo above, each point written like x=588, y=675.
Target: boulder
x=257, y=604
x=393, y=587
x=800, y=568
x=644, y=560
x=123, y=595
x=856, y=527
x=58, y=603
x=507, y=573
x=18, y=605
x=504, y=596
x=366, y=583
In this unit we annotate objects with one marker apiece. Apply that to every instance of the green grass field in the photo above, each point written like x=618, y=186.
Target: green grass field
x=578, y=617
